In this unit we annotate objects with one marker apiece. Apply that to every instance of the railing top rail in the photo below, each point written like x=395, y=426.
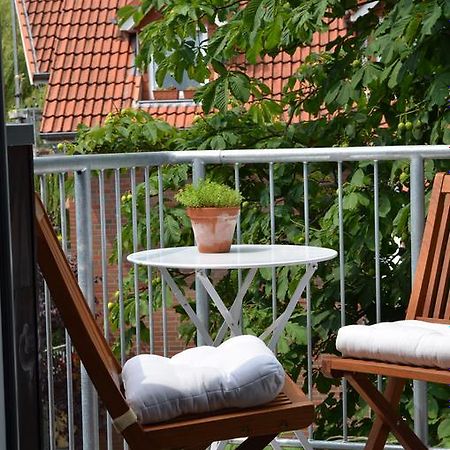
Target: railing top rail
x=63, y=163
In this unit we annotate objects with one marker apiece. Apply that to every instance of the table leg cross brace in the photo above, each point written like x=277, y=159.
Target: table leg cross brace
x=236, y=308
x=186, y=306
x=278, y=325
x=229, y=319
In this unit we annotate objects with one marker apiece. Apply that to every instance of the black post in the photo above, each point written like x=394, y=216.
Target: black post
x=22, y=420
x=20, y=327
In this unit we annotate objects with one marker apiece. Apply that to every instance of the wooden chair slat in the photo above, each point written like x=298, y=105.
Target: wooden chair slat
x=430, y=302
x=437, y=258
x=254, y=421
x=434, y=320
x=447, y=308
x=446, y=186
x=425, y=263
x=443, y=279
x=291, y=410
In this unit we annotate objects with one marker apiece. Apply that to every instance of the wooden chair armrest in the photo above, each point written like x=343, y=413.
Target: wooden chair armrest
x=337, y=367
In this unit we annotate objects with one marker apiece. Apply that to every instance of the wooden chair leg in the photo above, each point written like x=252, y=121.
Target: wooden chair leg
x=257, y=442
x=379, y=432
x=383, y=409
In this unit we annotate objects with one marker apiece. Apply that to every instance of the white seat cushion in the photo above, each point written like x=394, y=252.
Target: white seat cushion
x=242, y=372
x=410, y=342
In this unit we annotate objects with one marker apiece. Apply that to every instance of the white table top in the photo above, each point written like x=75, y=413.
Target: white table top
x=239, y=257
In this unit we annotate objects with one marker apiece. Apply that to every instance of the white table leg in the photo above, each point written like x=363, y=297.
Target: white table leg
x=236, y=308
x=303, y=440
x=201, y=328
x=229, y=319
x=278, y=325
x=219, y=445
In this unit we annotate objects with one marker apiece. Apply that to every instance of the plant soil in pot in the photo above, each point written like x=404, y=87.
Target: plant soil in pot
x=213, y=228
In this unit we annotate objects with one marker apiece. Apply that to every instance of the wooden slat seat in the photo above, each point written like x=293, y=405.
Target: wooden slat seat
x=430, y=302
x=291, y=410
x=279, y=415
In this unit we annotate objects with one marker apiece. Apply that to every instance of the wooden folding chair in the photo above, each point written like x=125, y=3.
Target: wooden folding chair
x=291, y=410
x=430, y=302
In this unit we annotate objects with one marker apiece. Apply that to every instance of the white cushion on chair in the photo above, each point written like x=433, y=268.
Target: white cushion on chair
x=240, y=373
x=410, y=342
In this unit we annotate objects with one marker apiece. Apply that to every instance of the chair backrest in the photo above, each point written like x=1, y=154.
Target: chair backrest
x=94, y=351
x=430, y=296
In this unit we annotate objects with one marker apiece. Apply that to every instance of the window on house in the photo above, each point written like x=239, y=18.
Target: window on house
x=172, y=90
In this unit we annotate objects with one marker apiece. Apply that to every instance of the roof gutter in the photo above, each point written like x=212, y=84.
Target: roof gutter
x=41, y=77
x=58, y=137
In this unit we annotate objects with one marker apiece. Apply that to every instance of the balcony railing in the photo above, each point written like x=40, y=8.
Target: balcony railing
x=94, y=232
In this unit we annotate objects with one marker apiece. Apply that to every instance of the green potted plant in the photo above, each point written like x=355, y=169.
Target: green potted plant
x=213, y=209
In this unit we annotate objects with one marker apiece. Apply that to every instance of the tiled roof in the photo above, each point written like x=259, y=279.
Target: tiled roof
x=92, y=72
x=91, y=64
x=38, y=21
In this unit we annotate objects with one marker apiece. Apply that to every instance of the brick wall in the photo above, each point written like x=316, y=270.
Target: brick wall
x=175, y=344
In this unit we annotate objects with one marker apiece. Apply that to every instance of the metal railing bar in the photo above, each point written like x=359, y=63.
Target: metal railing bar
x=63, y=163
x=326, y=445
x=376, y=200
x=134, y=225
x=201, y=294
x=148, y=239
x=335, y=445
x=417, y=201
x=376, y=214
x=68, y=341
x=105, y=294
x=83, y=219
x=117, y=188
x=237, y=186
x=120, y=264
x=342, y=291
x=308, y=291
x=161, y=245
x=48, y=340
x=272, y=238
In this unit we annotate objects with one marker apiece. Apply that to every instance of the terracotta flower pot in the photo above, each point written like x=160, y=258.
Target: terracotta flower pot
x=213, y=228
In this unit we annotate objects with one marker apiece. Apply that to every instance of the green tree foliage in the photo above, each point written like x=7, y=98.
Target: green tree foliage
x=122, y=132
x=381, y=74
